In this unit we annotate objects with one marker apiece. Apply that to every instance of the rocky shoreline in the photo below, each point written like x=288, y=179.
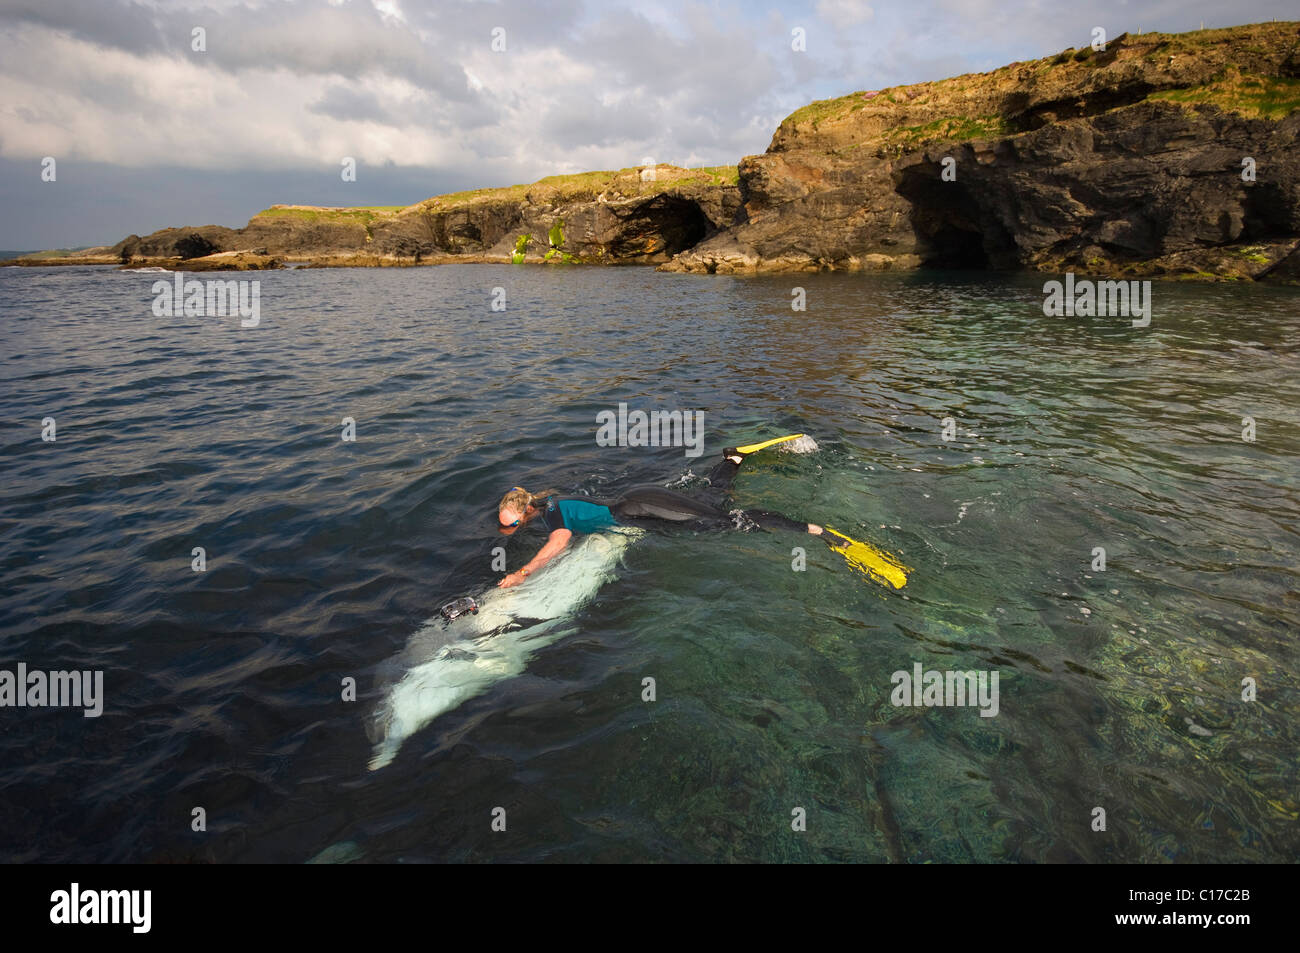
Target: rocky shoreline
x=1132, y=161
x=1161, y=155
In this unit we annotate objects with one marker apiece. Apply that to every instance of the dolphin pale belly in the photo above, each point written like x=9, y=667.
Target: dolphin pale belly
x=447, y=663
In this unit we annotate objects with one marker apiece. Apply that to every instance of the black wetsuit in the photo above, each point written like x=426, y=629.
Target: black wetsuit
x=648, y=504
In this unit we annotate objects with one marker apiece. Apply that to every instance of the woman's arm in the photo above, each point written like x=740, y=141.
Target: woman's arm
x=555, y=544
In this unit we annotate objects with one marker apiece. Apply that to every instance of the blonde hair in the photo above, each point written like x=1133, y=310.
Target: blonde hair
x=519, y=499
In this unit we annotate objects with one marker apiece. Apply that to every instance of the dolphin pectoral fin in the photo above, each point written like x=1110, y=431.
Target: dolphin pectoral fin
x=385, y=754
x=509, y=628
x=526, y=624
x=342, y=853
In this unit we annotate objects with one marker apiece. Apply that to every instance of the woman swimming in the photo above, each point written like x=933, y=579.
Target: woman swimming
x=641, y=505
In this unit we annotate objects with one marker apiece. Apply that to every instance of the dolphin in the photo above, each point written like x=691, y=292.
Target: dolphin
x=447, y=663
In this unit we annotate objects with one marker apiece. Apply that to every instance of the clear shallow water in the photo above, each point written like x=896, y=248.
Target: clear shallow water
x=223, y=687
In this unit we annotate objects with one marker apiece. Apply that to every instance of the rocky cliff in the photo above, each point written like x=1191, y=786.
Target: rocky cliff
x=1157, y=155
x=635, y=216
x=1125, y=160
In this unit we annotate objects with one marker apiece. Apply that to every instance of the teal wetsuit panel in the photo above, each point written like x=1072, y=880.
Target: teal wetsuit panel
x=577, y=516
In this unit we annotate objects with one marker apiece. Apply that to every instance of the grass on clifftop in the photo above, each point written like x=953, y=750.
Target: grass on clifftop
x=1256, y=97
x=67, y=252
x=361, y=215
x=579, y=185
x=626, y=182
x=823, y=109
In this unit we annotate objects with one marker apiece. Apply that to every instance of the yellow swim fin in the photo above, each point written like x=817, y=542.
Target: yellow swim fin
x=866, y=559
x=755, y=447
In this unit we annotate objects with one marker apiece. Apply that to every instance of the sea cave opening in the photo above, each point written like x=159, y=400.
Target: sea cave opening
x=952, y=230
x=664, y=226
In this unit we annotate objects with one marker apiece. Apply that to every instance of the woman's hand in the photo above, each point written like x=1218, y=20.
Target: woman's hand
x=556, y=542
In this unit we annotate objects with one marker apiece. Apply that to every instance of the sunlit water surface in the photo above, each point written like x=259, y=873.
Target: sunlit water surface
x=1119, y=689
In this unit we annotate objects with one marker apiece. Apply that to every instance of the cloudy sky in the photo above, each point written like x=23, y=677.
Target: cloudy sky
x=148, y=132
